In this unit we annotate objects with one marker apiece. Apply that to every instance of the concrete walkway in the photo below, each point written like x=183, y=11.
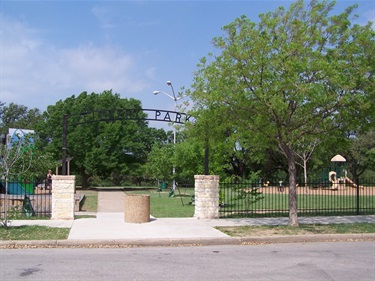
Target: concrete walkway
x=109, y=226
x=111, y=202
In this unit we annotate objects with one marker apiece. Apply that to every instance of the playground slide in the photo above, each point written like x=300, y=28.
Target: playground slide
x=350, y=182
x=17, y=189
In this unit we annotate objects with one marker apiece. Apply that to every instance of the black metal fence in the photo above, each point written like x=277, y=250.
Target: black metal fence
x=24, y=199
x=242, y=198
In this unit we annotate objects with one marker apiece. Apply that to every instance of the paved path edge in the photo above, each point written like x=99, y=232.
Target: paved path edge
x=158, y=242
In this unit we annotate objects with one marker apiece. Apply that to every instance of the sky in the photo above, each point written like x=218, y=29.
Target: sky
x=53, y=49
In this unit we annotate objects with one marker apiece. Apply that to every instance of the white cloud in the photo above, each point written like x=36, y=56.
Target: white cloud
x=104, y=15
x=35, y=73
x=96, y=68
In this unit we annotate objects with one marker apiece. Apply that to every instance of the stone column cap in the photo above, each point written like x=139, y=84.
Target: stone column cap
x=61, y=177
x=207, y=177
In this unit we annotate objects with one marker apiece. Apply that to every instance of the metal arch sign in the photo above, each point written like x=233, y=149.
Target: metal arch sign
x=118, y=114
x=128, y=114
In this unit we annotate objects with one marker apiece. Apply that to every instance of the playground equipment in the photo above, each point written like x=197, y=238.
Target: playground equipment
x=336, y=182
x=172, y=192
x=350, y=182
x=339, y=176
x=19, y=187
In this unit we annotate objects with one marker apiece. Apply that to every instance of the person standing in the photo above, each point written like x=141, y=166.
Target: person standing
x=49, y=180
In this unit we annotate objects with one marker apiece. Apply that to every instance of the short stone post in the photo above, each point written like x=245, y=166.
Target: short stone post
x=63, y=188
x=137, y=208
x=206, y=197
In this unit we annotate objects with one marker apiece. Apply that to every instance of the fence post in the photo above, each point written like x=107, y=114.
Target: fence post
x=357, y=196
x=63, y=188
x=206, y=197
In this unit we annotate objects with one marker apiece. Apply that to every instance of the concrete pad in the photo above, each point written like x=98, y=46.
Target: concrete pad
x=111, y=201
x=112, y=226
x=246, y=221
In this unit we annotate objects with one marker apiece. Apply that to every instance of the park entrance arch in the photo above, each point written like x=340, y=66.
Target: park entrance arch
x=112, y=115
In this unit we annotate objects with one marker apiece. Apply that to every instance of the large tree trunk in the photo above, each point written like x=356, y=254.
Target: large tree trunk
x=85, y=179
x=293, y=211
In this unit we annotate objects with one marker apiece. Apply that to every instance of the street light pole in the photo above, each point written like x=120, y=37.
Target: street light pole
x=169, y=83
x=175, y=99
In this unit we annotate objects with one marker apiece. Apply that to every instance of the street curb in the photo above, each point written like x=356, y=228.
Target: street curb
x=180, y=242
x=309, y=238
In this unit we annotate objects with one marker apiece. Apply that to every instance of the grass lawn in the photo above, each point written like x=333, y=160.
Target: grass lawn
x=305, y=229
x=163, y=206
x=280, y=201
x=317, y=202
x=33, y=232
x=90, y=201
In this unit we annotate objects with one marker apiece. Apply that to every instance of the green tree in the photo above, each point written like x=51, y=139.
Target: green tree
x=19, y=116
x=105, y=149
x=188, y=159
x=287, y=77
x=360, y=154
x=160, y=162
x=149, y=137
x=304, y=151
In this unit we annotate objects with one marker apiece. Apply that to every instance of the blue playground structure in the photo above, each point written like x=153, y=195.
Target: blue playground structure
x=19, y=188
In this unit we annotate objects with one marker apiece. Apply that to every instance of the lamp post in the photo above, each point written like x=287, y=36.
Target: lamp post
x=175, y=99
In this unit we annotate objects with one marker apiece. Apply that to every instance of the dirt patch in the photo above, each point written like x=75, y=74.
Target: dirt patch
x=341, y=190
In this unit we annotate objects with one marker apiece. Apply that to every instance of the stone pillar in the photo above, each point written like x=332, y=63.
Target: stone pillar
x=206, y=197
x=63, y=188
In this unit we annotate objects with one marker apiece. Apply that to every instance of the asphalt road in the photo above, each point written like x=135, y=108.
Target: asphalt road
x=339, y=261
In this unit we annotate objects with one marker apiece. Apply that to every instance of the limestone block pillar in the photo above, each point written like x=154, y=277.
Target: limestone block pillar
x=206, y=197
x=63, y=188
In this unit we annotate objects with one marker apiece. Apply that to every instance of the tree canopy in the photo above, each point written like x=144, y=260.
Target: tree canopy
x=104, y=149
x=293, y=76
x=18, y=116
